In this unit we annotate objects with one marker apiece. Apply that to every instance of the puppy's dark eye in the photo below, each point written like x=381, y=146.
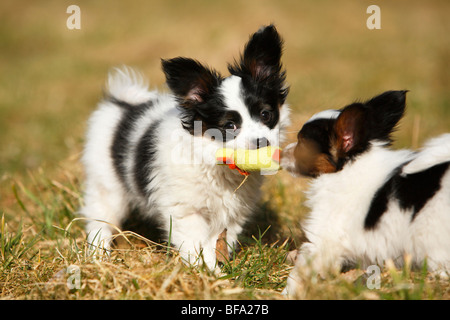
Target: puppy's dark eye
x=230, y=126
x=266, y=116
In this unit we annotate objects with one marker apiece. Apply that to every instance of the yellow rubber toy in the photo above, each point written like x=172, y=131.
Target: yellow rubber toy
x=245, y=160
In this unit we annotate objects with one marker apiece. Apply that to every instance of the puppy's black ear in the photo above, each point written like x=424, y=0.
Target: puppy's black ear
x=262, y=55
x=351, y=131
x=386, y=110
x=189, y=80
x=261, y=61
x=360, y=123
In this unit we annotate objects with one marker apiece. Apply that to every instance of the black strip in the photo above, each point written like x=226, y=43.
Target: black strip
x=380, y=202
x=121, y=144
x=145, y=154
x=416, y=189
x=412, y=191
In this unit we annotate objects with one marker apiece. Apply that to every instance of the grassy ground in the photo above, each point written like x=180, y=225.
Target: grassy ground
x=51, y=79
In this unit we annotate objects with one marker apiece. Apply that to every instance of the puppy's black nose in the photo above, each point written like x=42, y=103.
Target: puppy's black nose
x=259, y=143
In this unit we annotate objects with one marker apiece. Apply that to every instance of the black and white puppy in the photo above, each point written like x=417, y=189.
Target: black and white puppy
x=156, y=151
x=370, y=203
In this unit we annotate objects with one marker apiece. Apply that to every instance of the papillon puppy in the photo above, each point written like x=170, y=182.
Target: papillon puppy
x=369, y=203
x=154, y=152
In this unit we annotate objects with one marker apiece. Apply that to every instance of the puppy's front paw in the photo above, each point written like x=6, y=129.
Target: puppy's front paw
x=295, y=288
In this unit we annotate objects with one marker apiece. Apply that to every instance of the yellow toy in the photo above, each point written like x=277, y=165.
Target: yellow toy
x=245, y=160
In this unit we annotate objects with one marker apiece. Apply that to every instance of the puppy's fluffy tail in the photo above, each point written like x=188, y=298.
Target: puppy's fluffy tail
x=435, y=151
x=127, y=85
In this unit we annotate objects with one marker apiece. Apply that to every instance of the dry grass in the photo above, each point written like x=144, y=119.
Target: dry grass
x=51, y=79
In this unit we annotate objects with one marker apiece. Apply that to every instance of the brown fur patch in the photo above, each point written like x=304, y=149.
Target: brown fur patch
x=222, y=247
x=309, y=160
x=323, y=164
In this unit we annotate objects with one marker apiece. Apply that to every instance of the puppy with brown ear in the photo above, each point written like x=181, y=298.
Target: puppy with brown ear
x=369, y=203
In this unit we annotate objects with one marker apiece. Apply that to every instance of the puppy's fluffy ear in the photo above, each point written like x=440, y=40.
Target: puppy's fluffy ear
x=360, y=123
x=386, y=110
x=351, y=131
x=189, y=80
x=261, y=60
x=262, y=54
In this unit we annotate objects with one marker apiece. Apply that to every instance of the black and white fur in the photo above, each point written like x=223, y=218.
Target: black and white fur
x=370, y=203
x=156, y=151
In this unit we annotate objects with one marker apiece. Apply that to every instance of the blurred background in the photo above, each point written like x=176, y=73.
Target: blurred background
x=51, y=77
